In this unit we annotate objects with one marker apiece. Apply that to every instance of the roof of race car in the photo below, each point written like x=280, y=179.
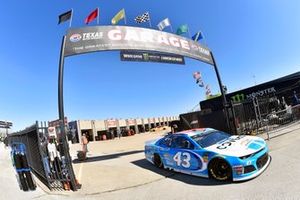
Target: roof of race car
x=193, y=132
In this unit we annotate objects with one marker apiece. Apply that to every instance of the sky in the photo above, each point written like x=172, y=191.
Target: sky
x=253, y=41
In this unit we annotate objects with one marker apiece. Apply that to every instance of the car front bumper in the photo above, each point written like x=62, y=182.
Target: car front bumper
x=256, y=173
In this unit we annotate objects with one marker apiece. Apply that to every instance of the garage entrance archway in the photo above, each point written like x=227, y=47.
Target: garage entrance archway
x=106, y=38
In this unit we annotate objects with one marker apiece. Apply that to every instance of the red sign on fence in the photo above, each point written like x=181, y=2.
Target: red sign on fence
x=55, y=123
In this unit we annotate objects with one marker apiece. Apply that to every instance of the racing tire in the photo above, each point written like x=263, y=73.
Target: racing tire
x=220, y=170
x=157, y=161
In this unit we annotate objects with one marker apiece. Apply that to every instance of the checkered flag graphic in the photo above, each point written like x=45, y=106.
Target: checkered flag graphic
x=142, y=18
x=208, y=91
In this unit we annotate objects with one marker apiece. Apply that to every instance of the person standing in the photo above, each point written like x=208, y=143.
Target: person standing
x=119, y=133
x=283, y=104
x=174, y=128
x=112, y=134
x=84, y=141
x=296, y=100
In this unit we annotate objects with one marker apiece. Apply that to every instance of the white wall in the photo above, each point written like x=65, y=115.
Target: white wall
x=122, y=122
x=146, y=121
x=139, y=121
x=100, y=125
x=85, y=124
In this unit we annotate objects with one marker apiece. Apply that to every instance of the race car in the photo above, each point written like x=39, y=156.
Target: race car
x=210, y=153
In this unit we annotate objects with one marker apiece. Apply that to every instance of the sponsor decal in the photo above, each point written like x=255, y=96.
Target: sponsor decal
x=92, y=36
x=195, y=122
x=261, y=93
x=102, y=38
x=239, y=169
x=86, y=36
x=242, y=97
x=205, y=158
x=182, y=159
x=246, y=142
x=75, y=37
x=146, y=36
x=238, y=98
x=254, y=146
x=229, y=142
x=151, y=57
x=166, y=156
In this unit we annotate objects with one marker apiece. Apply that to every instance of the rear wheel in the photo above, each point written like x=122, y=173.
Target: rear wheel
x=220, y=170
x=157, y=161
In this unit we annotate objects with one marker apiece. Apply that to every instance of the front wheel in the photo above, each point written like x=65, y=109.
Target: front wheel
x=220, y=170
x=157, y=161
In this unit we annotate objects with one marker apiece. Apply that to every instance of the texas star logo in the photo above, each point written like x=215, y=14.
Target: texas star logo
x=75, y=37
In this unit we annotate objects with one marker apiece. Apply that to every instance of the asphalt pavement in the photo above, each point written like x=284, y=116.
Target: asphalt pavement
x=116, y=169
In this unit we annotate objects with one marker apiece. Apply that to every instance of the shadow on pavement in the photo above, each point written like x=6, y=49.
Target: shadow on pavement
x=107, y=157
x=189, y=179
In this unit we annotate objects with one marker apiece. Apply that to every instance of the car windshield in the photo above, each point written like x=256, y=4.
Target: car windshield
x=209, y=138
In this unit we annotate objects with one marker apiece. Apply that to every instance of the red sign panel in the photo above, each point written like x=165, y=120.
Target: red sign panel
x=55, y=123
x=151, y=120
x=111, y=123
x=130, y=122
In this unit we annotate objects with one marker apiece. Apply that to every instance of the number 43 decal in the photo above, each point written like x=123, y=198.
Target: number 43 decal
x=182, y=159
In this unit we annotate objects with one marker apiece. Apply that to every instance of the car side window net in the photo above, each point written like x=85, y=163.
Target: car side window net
x=182, y=143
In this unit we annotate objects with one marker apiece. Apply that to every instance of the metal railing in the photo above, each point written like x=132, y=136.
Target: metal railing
x=30, y=137
x=258, y=116
x=54, y=174
x=281, y=119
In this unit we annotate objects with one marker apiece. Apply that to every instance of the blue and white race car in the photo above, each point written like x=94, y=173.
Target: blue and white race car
x=210, y=153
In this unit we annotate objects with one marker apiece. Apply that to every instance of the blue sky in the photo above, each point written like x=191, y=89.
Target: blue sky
x=249, y=38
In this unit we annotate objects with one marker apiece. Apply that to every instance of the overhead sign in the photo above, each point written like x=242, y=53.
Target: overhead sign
x=143, y=56
x=102, y=38
x=5, y=124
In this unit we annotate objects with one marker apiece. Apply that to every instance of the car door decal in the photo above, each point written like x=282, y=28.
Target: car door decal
x=183, y=158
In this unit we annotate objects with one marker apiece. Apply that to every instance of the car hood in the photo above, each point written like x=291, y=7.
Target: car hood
x=238, y=146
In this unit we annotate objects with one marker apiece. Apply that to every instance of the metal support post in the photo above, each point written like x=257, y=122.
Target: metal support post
x=225, y=105
x=64, y=143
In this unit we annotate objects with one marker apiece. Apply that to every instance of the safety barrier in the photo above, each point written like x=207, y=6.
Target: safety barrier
x=51, y=164
x=259, y=116
x=280, y=119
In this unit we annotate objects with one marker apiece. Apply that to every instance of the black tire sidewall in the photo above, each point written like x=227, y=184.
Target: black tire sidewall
x=157, y=161
x=212, y=167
